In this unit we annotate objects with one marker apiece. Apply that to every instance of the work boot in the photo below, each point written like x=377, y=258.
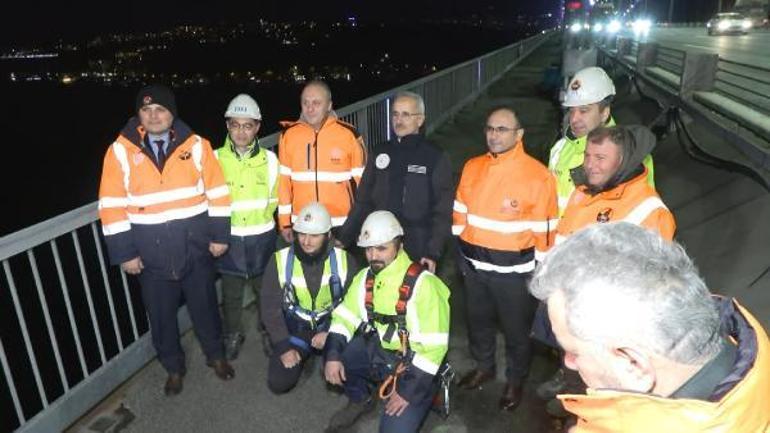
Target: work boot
x=555, y=385
x=233, y=343
x=511, y=397
x=348, y=415
x=222, y=369
x=174, y=384
x=474, y=378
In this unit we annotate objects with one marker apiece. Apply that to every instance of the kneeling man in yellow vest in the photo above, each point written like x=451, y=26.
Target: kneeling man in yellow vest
x=391, y=329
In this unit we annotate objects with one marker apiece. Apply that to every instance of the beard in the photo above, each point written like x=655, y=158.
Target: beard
x=376, y=266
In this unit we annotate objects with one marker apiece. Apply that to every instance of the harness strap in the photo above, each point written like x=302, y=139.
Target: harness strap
x=396, y=321
x=290, y=292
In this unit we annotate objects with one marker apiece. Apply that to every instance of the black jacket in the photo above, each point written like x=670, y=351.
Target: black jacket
x=271, y=297
x=413, y=179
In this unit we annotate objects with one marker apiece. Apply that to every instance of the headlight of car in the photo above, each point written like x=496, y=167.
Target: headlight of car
x=614, y=26
x=723, y=25
x=746, y=24
x=575, y=28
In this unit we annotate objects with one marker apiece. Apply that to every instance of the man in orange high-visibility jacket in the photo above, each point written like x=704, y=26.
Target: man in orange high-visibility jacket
x=165, y=211
x=611, y=185
x=504, y=215
x=322, y=159
x=658, y=352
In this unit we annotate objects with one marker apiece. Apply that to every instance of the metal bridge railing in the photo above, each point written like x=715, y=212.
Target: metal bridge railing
x=74, y=327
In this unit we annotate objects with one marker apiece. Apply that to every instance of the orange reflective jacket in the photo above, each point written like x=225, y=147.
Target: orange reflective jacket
x=135, y=195
x=744, y=409
x=505, y=211
x=634, y=201
x=324, y=166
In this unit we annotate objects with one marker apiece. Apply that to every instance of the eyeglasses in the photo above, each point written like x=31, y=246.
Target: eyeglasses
x=499, y=129
x=403, y=114
x=246, y=127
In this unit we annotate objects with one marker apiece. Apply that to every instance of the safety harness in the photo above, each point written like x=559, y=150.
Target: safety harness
x=292, y=307
x=396, y=323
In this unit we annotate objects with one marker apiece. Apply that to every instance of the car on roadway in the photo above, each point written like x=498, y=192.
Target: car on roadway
x=728, y=23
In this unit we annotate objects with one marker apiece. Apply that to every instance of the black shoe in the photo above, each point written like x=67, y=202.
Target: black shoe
x=348, y=415
x=511, y=397
x=222, y=369
x=474, y=378
x=174, y=384
x=233, y=343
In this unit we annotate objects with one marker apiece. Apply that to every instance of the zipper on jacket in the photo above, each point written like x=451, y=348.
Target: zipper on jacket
x=315, y=148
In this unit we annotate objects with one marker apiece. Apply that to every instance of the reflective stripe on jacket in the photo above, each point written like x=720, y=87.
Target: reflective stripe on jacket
x=745, y=408
x=567, y=154
x=323, y=298
x=158, y=215
x=505, y=211
x=324, y=166
x=634, y=201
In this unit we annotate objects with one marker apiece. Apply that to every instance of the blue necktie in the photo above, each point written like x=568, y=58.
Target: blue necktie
x=161, y=153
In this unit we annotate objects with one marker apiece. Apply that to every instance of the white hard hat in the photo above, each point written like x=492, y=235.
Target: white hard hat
x=313, y=219
x=243, y=105
x=379, y=227
x=588, y=86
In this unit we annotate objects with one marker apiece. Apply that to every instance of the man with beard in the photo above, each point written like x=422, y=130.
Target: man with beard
x=392, y=327
x=301, y=285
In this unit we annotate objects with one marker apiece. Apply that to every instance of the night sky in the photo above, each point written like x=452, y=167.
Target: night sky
x=23, y=21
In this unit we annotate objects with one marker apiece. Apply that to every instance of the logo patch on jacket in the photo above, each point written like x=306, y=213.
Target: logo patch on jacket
x=336, y=155
x=604, y=215
x=138, y=158
x=413, y=168
x=184, y=156
x=510, y=206
x=382, y=161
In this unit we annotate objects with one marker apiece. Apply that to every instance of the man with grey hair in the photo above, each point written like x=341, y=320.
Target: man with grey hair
x=410, y=177
x=657, y=351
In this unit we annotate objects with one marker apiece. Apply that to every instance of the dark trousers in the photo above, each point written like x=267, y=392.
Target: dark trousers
x=280, y=379
x=162, y=298
x=500, y=302
x=232, y=300
x=366, y=365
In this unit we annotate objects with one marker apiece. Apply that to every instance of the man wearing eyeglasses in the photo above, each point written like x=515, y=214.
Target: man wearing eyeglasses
x=504, y=214
x=410, y=177
x=251, y=173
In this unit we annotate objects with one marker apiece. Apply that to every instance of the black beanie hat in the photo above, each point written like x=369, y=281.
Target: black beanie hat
x=156, y=94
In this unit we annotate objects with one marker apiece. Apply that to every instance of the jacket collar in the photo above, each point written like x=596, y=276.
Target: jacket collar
x=134, y=133
x=511, y=154
x=412, y=140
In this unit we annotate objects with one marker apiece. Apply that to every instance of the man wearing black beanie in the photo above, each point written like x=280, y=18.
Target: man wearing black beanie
x=165, y=212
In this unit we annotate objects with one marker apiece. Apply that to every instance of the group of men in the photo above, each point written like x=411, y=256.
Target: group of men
x=175, y=212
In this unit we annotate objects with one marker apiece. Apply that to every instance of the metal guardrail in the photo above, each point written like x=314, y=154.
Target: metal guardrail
x=83, y=303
